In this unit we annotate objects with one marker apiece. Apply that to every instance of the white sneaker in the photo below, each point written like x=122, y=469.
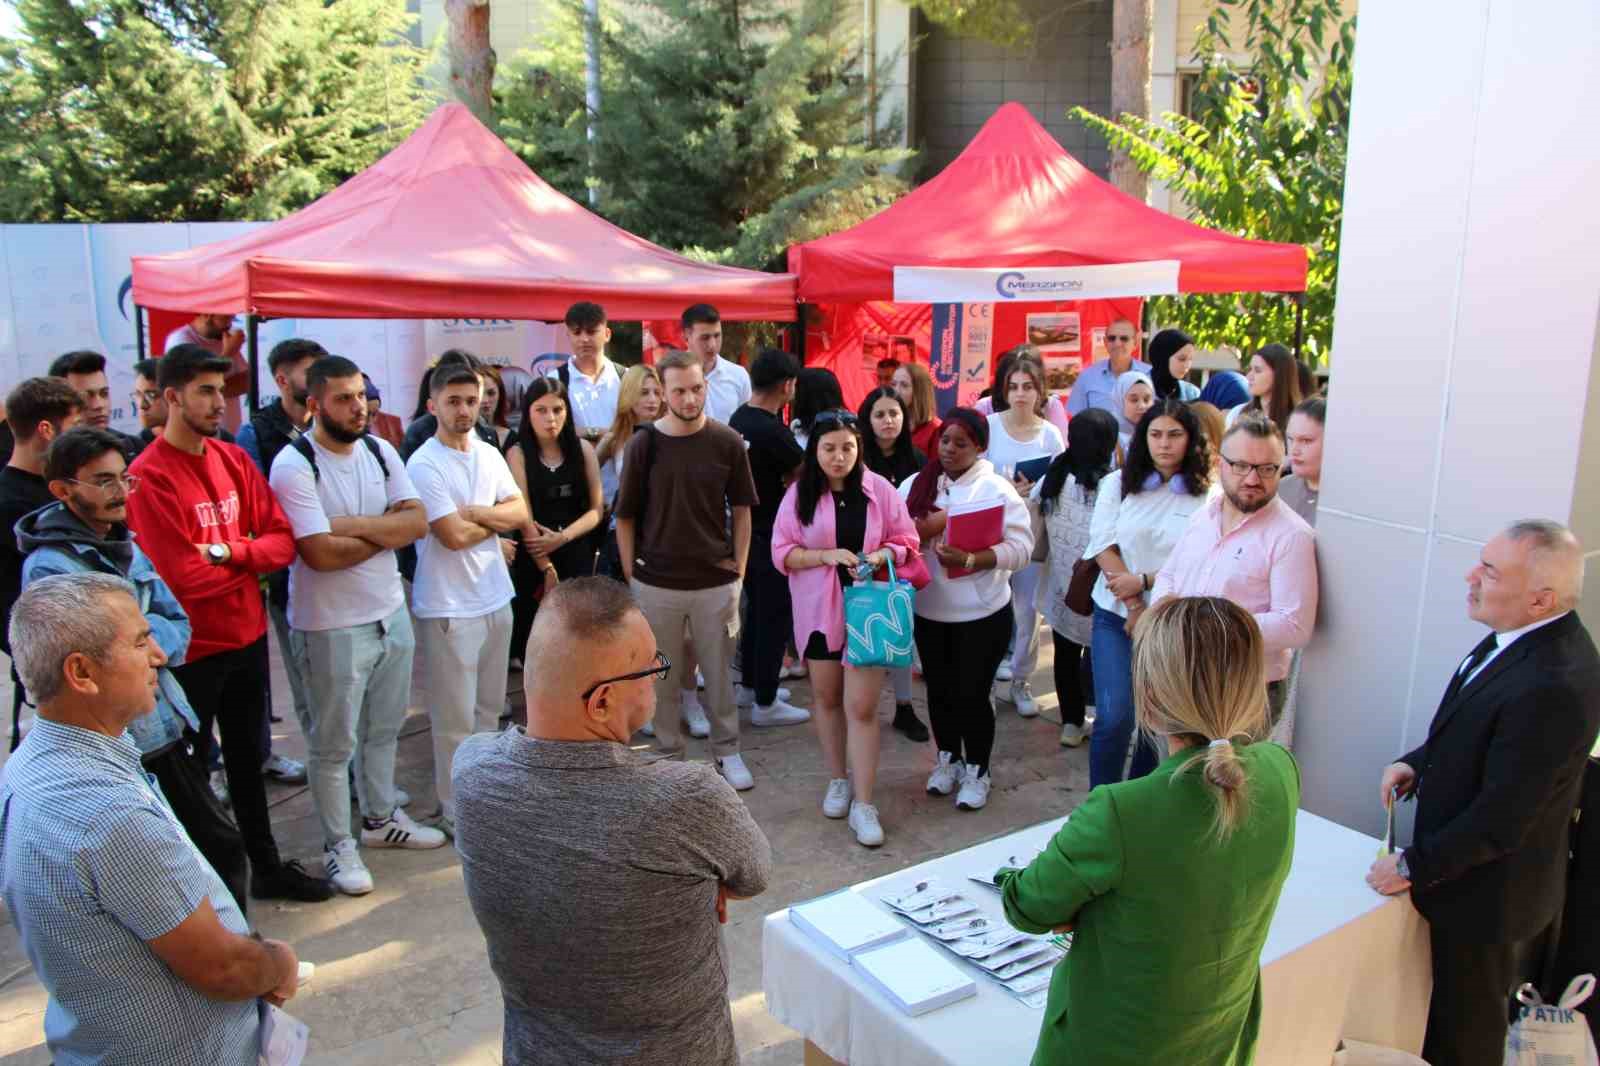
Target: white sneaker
x=699, y=678
x=836, y=804
x=974, y=790
x=1072, y=736
x=737, y=774
x=864, y=820
x=282, y=768
x=345, y=868
x=1022, y=699
x=219, y=787
x=946, y=775
x=746, y=696
x=399, y=831
x=694, y=716
x=778, y=713
x=1004, y=673
x=648, y=729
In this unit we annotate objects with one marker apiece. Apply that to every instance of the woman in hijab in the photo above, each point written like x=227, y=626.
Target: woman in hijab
x=1226, y=390
x=1133, y=395
x=1171, y=355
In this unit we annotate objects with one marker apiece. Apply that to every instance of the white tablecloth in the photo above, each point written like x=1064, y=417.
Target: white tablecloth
x=1339, y=961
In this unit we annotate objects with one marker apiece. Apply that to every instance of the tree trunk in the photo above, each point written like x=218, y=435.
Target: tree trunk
x=1131, y=46
x=471, y=57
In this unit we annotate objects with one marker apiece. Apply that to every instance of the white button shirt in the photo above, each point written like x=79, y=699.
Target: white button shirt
x=593, y=401
x=727, y=388
x=1502, y=641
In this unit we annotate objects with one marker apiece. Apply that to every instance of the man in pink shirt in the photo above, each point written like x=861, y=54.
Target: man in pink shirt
x=1248, y=546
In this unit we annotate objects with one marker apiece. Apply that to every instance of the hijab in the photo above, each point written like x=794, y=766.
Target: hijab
x=1226, y=390
x=1163, y=346
x=1119, y=396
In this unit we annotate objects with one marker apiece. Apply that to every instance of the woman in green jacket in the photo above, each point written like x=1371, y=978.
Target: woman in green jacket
x=1169, y=881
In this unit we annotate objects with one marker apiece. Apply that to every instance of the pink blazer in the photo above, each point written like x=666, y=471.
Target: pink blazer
x=817, y=599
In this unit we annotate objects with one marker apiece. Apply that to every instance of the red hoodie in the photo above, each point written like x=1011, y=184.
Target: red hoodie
x=215, y=498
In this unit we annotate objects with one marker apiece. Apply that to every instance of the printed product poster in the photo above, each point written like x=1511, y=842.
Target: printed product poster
x=1058, y=336
x=874, y=347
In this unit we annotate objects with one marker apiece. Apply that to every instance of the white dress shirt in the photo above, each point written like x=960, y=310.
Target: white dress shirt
x=1502, y=641
x=593, y=400
x=727, y=389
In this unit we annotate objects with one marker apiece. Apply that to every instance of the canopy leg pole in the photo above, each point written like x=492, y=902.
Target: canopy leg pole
x=251, y=323
x=800, y=333
x=1299, y=323
x=138, y=331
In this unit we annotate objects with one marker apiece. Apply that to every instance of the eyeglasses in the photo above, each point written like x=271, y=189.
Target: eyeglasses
x=832, y=418
x=146, y=397
x=129, y=482
x=1123, y=337
x=660, y=669
x=1264, y=471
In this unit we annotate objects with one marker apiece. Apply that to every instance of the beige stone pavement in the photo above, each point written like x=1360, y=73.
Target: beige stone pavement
x=402, y=976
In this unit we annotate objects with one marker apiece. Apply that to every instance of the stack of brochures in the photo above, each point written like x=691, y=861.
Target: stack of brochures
x=914, y=977
x=1019, y=962
x=845, y=924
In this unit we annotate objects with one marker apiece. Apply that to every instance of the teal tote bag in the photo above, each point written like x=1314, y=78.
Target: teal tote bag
x=877, y=622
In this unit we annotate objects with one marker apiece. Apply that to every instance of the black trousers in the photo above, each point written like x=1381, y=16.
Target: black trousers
x=959, y=660
x=1072, y=672
x=528, y=585
x=1473, y=989
x=229, y=689
x=182, y=777
x=768, y=620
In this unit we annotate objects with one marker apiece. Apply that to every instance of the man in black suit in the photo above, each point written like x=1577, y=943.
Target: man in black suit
x=1495, y=784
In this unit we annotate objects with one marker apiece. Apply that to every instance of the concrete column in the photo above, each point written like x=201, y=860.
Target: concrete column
x=1465, y=366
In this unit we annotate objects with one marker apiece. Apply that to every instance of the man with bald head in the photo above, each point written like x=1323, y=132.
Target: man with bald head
x=1098, y=381
x=598, y=873
x=1495, y=784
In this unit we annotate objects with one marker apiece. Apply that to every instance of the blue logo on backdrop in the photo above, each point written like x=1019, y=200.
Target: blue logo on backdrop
x=1014, y=284
x=122, y=295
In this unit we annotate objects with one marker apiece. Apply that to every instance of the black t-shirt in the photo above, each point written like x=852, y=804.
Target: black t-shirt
x=773, y=456
x=21, y=493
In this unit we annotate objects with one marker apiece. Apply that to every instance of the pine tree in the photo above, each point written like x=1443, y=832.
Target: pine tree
x=729, y=129
x=197, y=110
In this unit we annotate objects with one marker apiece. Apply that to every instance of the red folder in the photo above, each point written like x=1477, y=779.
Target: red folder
x=972, y=527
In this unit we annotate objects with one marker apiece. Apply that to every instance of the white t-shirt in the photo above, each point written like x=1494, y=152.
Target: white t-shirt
x=474, y=581
x=350, y=486
x=1006, y=451
x=727, y=389
x=593, y=403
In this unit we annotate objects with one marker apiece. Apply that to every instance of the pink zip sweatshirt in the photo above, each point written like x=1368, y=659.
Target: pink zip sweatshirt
x=818, y=600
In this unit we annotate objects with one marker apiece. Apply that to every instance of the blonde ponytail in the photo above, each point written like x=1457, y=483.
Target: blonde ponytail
x=1199, y=670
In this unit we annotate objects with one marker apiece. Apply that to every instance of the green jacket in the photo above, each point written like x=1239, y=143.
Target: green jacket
x=1168, y=922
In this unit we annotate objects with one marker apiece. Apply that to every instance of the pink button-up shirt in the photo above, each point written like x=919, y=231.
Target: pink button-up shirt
x=1268, y=566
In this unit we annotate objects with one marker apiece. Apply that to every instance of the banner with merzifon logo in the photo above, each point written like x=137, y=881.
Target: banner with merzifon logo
x=1037, y=284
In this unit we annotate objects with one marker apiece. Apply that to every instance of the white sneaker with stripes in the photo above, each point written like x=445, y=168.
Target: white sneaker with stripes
x=346, y=870
x=399, y=831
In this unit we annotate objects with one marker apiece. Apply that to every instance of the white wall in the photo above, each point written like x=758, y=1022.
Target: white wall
x=1469, y=296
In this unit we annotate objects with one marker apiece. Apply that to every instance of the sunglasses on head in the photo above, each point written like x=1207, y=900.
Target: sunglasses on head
x=833, y=418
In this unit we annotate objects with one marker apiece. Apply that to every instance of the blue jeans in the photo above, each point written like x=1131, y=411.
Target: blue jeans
x=1112, y=652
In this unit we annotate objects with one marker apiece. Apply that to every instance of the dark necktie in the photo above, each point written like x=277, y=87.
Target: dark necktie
x=1480, y=653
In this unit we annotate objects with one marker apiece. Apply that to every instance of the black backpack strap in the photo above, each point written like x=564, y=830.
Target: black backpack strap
x=377, y=453
x=302, y=444
x=564, y=374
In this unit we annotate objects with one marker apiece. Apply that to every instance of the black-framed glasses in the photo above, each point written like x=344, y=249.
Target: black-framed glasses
x=832, y=418
x=129, y=482
x=1264, y=471
x=660, y=669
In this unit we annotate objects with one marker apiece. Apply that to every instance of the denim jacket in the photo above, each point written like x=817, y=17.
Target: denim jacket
x=56, y=542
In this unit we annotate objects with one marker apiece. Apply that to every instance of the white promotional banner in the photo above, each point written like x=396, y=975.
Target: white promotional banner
x=937, y=285
x=68, y=286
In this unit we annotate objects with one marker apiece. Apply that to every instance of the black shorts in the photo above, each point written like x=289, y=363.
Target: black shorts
x=817, y=648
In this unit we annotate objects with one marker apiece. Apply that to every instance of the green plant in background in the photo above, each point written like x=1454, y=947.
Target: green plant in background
x=1261, y=155
x=198, y=110
x=728, y=129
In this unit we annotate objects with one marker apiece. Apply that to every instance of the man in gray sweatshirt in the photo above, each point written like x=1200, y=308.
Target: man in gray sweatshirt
x=599, y=874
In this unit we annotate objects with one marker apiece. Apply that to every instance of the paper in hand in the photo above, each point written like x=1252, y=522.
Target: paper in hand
x=283, y=1037
x=1388, y=833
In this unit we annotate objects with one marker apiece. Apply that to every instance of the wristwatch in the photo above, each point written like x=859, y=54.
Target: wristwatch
x=217, y=553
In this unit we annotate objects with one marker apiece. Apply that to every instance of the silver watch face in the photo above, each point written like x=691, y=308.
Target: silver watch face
x=216, y=551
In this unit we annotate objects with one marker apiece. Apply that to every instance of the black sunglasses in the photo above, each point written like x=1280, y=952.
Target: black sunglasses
x=833, y=418
x=660, y=669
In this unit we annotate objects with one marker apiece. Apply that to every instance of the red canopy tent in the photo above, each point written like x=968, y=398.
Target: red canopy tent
x=1016, y=222
x=450, y=224
x=1015, y=198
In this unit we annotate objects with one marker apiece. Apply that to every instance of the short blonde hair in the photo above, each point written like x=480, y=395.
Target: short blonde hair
x=1199, y=671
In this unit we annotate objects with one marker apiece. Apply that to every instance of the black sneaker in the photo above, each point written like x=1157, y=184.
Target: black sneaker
x=905, y=720
x=289, y=880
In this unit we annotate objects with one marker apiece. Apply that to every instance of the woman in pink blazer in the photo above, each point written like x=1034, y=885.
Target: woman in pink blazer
x=836, y=515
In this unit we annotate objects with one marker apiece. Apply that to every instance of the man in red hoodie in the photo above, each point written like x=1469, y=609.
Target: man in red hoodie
x=208, y=521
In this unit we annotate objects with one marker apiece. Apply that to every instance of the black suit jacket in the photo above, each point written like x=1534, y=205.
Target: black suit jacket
x=1497, y=780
